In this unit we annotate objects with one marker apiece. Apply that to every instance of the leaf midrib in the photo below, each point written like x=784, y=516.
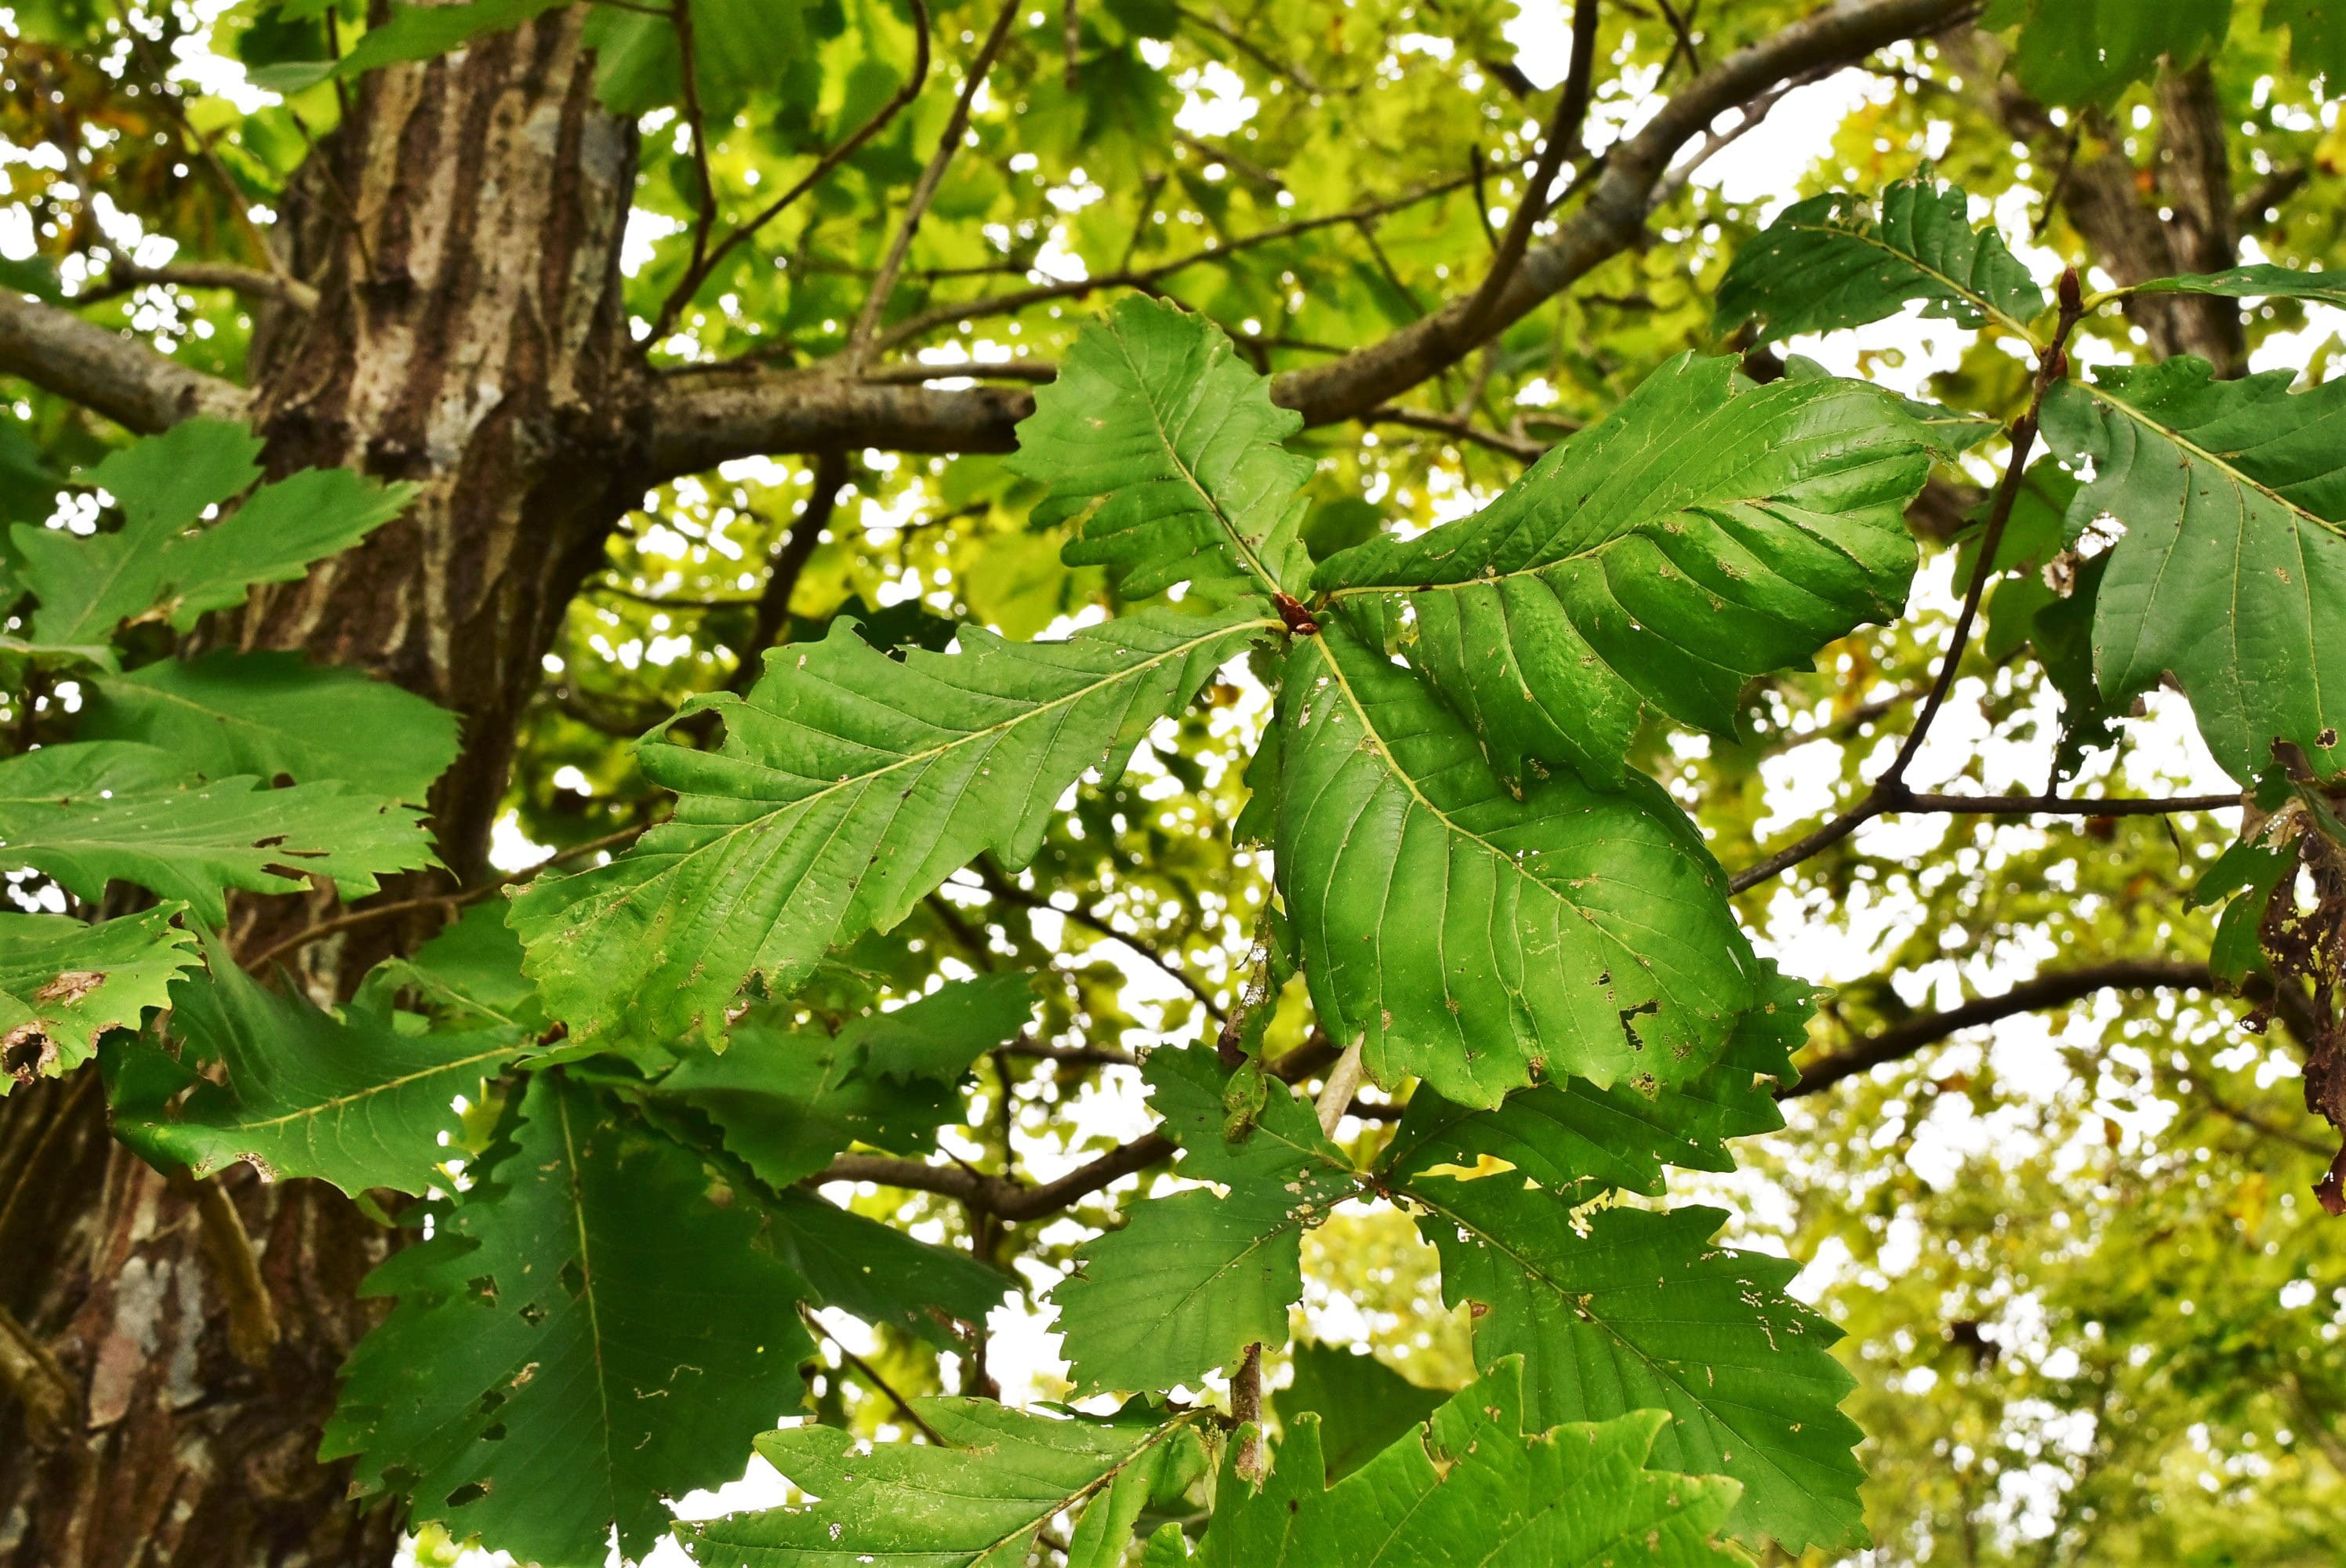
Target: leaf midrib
x=1247, y=556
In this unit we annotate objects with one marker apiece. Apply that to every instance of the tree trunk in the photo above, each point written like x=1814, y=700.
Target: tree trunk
x=462, y=229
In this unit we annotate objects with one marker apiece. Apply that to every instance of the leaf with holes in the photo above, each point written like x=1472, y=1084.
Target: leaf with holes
x=98, y=810
x=1484, y=1482
x=63, y=983
x=1196, y=1277
x=585, y=1335
x=357, y=1102
x=2232, y=574
x=1637, y=1311
x=978, y=1499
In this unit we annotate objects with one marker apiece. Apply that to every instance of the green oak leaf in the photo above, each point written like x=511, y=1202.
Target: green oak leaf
x=1485, y=1483
x=1196, y=1277
x=1164, y=447
x=789, y=1098
x=2232, y=574
x=1473, y=937
x=357, y=1102
x=1706, y=530
x=584, y=1335
x=977, y=1500
x=1360, y=1404
x=849, y=786
x=1841, y=261
x=271, y=714
x=1633, y=1309
x=101, y=810
x=164, y=561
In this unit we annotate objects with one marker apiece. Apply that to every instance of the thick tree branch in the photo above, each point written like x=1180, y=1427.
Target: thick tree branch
x=107, y=371
x=1901, y=1040
x=702, y=419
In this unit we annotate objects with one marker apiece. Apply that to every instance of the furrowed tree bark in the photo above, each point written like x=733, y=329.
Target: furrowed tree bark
x=462, y=232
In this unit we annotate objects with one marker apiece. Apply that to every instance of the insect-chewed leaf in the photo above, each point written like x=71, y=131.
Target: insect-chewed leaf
x=160, y=561
x=1471, y=936
x=1836, y=261
x=1576, y=1139
x=1194, y=1278
x=1640, y=1311
x=2232, y=572
x=1165, y=448
x=1706, y=531
x=97, y=811
x=1481, y=1484
x=788, y=1099
x=266, y=714
x=849, y=786
x=359, y=1104
x=975, y=1501
x=584, y=1335
x=64, y=984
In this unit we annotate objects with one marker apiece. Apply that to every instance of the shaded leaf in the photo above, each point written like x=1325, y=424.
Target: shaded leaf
x=1481, y=1486
x=1361, y=1403
x=358, y=1104
x=2232, y=570
x=584, y=1335
x=266, y=714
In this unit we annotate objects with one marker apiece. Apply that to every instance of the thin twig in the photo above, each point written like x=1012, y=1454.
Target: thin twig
x=1245, y=1409
x=121, y=277
x=698, y=273
x=865, y=1371
x=1149, y=278
x=1295, y=74
x=1336, y=1094
x=253, y=1327
x=1457, y=429
x=791, y=553
x=240, y=208
x=52, y=1404
x=2064, y=805
x=875, y=303
x=368, y=915
x=1008, y=891
x=1562, y=136
x=1889, y=792
x=704, y=219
